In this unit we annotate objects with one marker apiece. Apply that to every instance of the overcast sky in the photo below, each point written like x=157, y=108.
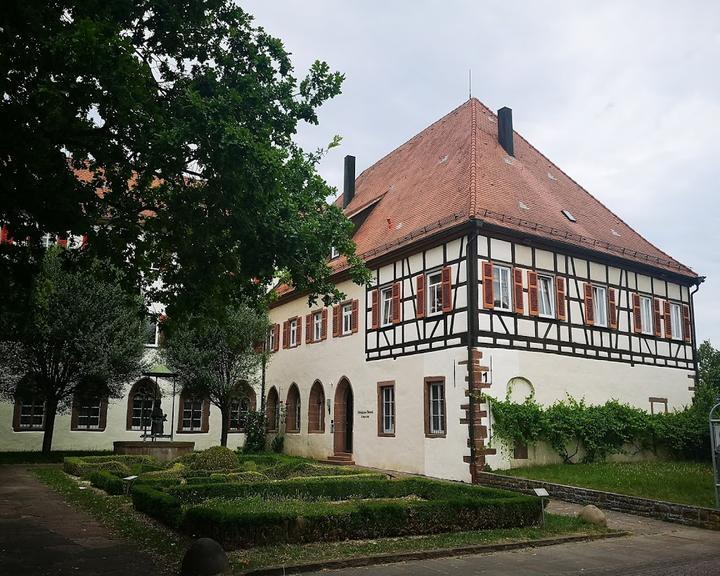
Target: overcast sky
x=623, y=96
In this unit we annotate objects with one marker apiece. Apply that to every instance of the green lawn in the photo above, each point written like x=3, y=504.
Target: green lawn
x=682, y=482
x=291, y=554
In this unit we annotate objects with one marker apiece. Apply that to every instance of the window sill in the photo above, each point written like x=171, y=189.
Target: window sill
x=386, y=434
x=436, y=435
x=18, y=429
x=316, y=431
x=192, y=432
x=292, y=431
x=87, y=429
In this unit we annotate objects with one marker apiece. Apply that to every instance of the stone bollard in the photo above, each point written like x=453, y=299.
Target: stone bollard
x=205, y=557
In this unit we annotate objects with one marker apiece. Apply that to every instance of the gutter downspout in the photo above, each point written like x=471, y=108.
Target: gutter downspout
x=699, y=281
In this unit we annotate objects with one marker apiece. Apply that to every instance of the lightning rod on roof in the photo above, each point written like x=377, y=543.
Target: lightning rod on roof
x=469, y=83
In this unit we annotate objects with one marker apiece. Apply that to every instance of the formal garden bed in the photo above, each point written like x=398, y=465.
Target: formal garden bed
x=680, y=482
x=272, y=509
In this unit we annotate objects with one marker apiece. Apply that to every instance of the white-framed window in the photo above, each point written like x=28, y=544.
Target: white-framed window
x=47, y=240
x=293, y=332
x=152, y=332
x=141, y=408
x=271, y=339
x=434, y=293
x=600, y=306
x=646, y=315
x=334, y=253
x=192, y=414
x=436, y=407
x=386, y=311
x=317, y=326
x=387, y=407
x=676, y=321
x=546, y=295
x=501, y=288
x=347, y=319
x=88, y=414
x=32, y=414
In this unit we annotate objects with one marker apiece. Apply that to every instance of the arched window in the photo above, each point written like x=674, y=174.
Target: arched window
x=142, y=396
x=316, y=408
x=240, y=405
x=292, y=419
x=272, y=410
x=193, y=414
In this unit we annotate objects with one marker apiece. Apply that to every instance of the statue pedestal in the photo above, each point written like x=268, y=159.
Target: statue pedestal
x=160, y=450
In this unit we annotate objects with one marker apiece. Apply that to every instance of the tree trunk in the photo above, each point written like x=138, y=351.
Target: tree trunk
x=50, y=413
x=225, y=413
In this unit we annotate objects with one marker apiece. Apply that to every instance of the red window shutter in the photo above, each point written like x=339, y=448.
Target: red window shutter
x=656, y=314
x=84, y=242
x=637, y=319
x=3, y=234
x=487, y=275
x=533, y=292
x=668, y=319
x=612, y=308
x=447, y=304
x=298, y=323
x=589, y=309
x=420, y=286
x=323, y=324
x=336, y=321
x=62, y=242
x=276, y=337
x=354, y=318
x=396, y=303
x=375, y=309
x=286, y=334
x=686, y=323
x=309, y=328
x=518, y=292
x=560, y=295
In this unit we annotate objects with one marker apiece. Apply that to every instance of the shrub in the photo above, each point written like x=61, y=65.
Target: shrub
x=278, y=443
x=107, y=481
x=215, y=458
x=158, y=504
x=255, y=435
x=447, y=507
x=119, y=464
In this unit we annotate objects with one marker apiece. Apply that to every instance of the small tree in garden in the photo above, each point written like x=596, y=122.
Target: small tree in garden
x=255, y=434
x=217, y=356
x=81, y=336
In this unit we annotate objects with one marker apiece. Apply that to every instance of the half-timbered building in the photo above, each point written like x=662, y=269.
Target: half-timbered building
x=493, y=271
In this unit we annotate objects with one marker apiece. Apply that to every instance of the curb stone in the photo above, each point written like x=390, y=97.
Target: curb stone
x=392, y=558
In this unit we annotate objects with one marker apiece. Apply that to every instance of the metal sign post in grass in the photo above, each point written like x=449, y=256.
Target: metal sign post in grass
x=715, y=447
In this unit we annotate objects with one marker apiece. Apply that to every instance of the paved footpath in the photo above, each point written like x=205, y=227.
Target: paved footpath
x=42, y=535
x=655, y=549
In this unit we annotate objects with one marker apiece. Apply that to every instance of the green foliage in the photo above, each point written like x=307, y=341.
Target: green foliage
x=215, y=458
x=199, y=108
x=116, y=464
x=369, y=509
x=255, y=432
x=108, y=481
x=158, y=504
x=278, y=444
x=571, y=427
x=81, y=337
x=215, y=355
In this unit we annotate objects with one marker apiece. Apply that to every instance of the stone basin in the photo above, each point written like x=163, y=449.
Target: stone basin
x=162, y=451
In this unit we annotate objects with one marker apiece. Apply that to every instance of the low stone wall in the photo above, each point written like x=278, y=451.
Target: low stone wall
x=668, y=511
x=161, y=451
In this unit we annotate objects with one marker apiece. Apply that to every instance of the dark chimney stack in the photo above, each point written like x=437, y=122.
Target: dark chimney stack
x=505, y=130
x=349, y=186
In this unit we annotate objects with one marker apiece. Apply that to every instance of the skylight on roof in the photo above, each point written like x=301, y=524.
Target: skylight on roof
x=569, y=215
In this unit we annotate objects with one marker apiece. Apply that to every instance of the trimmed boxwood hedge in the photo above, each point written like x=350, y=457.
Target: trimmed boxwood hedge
x=107, y=481
x=157, y=504
x=85, y=465
x=234, y=527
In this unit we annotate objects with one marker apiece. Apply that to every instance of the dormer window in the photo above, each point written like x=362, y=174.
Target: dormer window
x=569, y=215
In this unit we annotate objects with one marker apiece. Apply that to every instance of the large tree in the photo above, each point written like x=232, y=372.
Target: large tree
x=183, y=114
x=217, y=357
x=82, y=336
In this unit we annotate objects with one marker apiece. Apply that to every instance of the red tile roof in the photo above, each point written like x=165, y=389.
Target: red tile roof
x=455, y=169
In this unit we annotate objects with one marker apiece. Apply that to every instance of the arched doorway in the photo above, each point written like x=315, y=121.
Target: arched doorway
x=343, y=435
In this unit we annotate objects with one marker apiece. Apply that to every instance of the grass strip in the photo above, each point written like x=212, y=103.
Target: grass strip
x=117, y=514
x=681, y=482
x=294, y=554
